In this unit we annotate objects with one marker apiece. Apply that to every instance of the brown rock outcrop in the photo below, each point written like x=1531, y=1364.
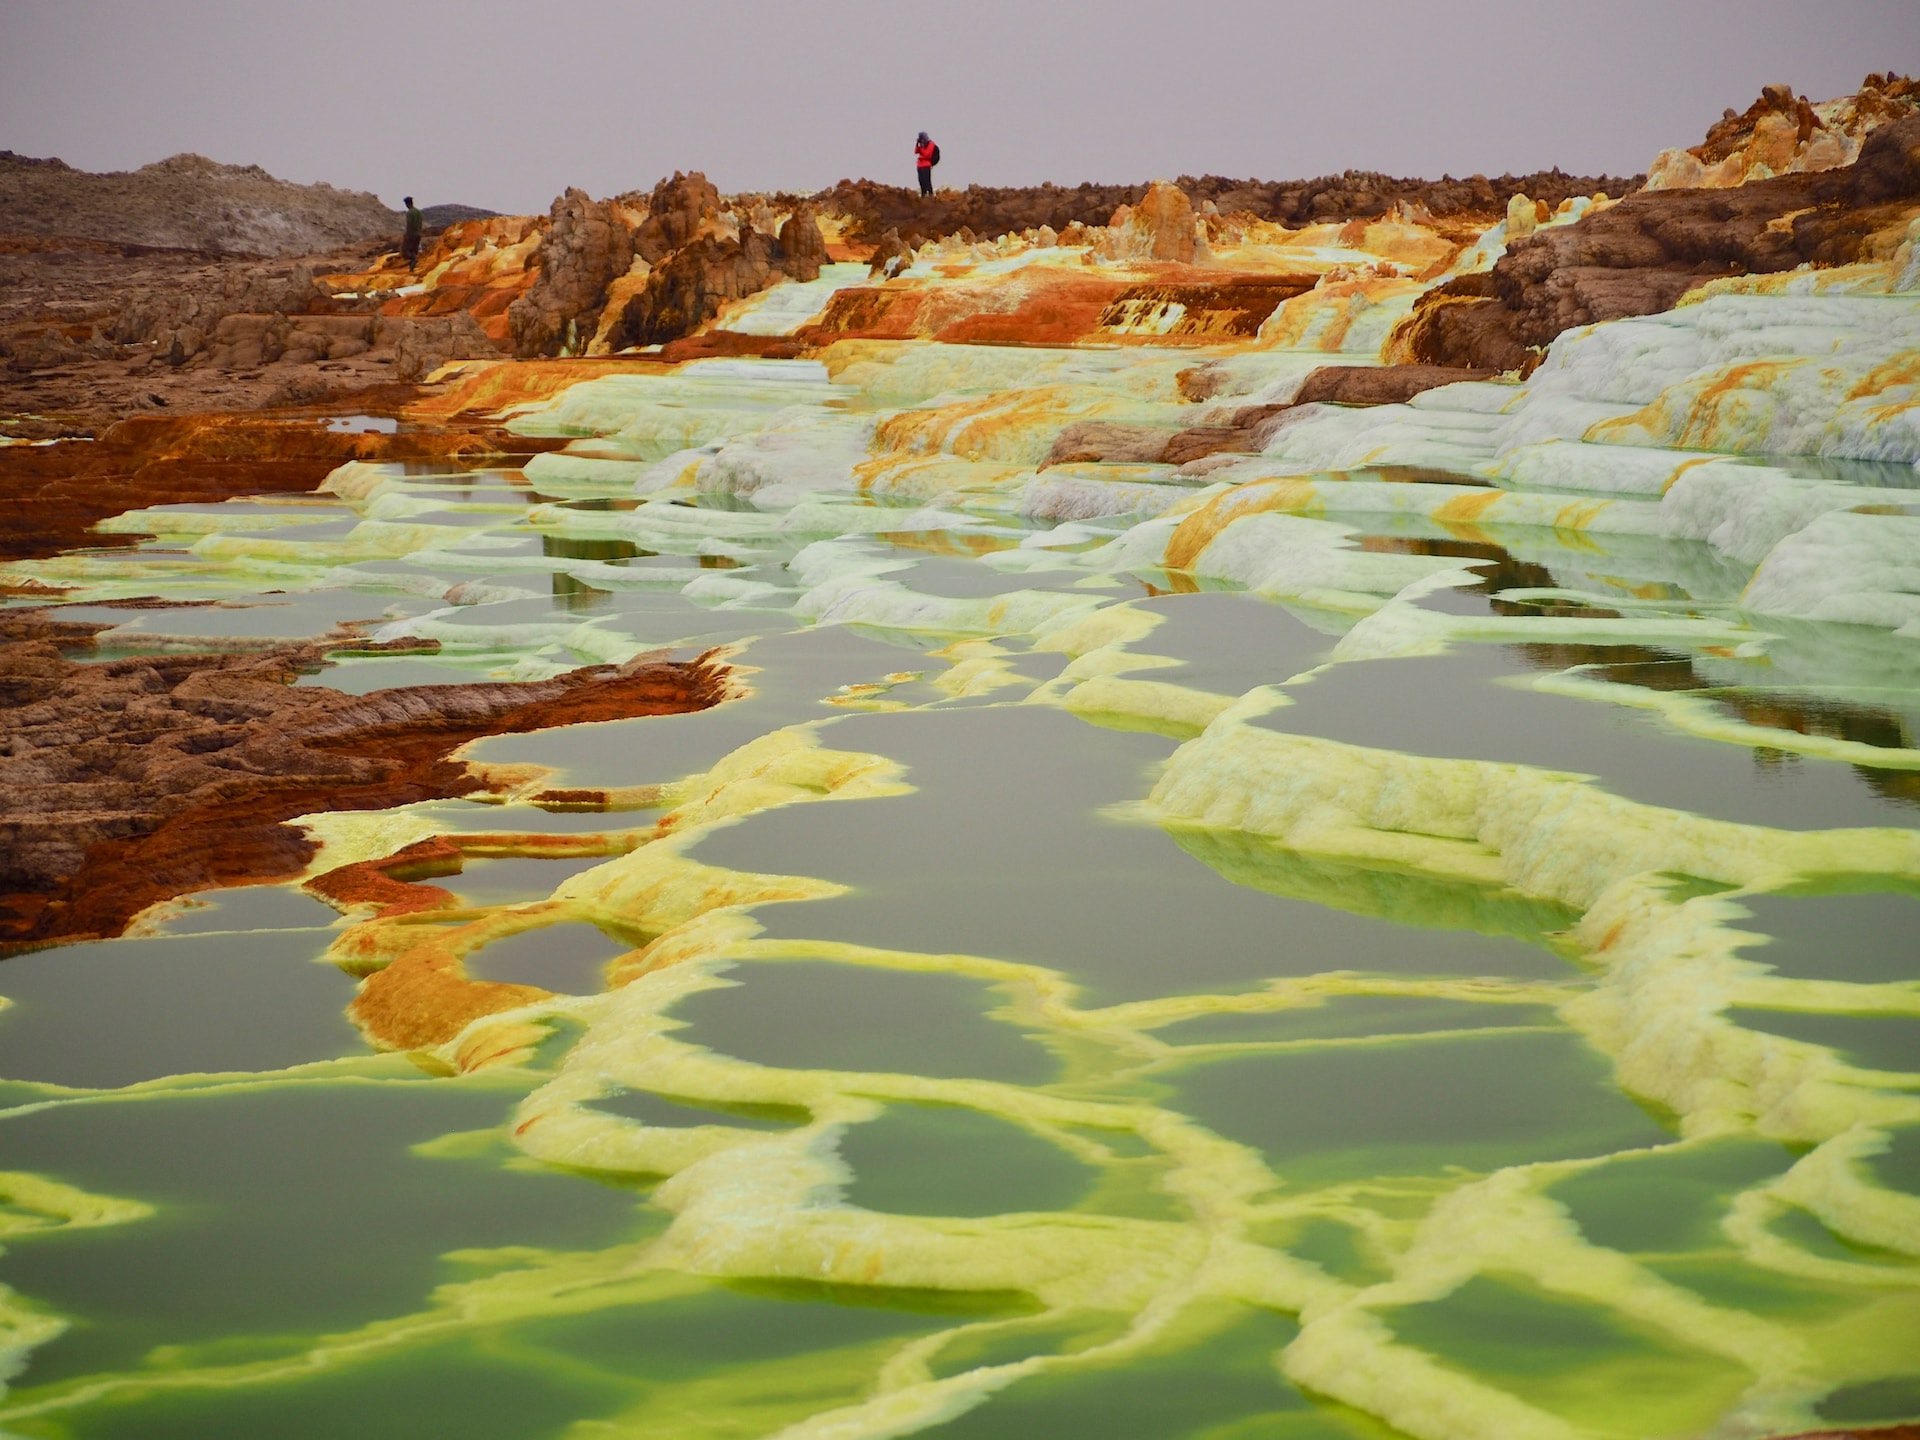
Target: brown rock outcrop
x=1200, y=441
x=242, y=341
x=1109, y=441
x=1733, y=132
x=1641, y=255
x=676, y=210
x=698, y=280
x=991, y=211
x=422, y=344
x=125, y=782
x=586, y=247
x=1379, y=384
x=803, y=249
x=1160, y=226
x=1245, y=431
x=890, y=256
x=1782, y=133
x=182, y=322
x=1249, y=428
x=93, y=331
x=690, y=288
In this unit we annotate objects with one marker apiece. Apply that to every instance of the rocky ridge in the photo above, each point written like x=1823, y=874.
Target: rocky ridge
x=987, y=211
x=1641, y=255
x=588, y=244
x=705, y=275
x=1782, y=133
x=188, y=202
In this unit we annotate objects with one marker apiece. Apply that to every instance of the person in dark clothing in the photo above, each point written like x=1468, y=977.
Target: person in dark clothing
x=410, y=242
x=925, y=155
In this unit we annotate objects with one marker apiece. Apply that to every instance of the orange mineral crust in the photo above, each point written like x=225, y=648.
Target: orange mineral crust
x=125, y=782
x=417, y=992
x=52, y=495
x=426, y=998
x=1055, y=305
x=477, y=266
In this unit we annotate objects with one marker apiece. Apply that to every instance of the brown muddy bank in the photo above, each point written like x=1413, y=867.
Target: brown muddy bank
x=128, y=781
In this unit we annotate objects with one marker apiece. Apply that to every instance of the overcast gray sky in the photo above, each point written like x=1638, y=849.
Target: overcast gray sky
x=504, y=102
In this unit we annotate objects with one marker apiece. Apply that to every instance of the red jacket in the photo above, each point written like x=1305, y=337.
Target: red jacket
x=923, y=155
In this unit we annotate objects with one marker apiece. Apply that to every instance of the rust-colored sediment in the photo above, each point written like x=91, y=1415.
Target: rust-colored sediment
x=126, y=782
x=393, y=885
x=426, y=998
x=417, y=992
x=1054, y=306
x=51, y=496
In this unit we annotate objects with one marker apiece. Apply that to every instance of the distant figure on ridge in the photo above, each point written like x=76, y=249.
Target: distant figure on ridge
x=926, y=155
x=410, y=242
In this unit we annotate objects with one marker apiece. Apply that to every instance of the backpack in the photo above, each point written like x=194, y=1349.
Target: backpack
x=936, y=152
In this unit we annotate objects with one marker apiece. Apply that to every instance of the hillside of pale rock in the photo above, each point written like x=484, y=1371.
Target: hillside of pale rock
x=187, y=202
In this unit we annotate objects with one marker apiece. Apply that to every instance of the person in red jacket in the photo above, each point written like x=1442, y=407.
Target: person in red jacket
x=926, y=155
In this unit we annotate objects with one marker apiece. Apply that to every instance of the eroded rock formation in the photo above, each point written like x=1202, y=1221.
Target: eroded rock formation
x=587, y=246
x=702, y=277
x=1378, y=384
x=890, y=255
x=1160, y=227
x=1641, y=255
x=422, y=345
x=89, y=332
x=1782, y=133
x=803, y=249
x=676, y=210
